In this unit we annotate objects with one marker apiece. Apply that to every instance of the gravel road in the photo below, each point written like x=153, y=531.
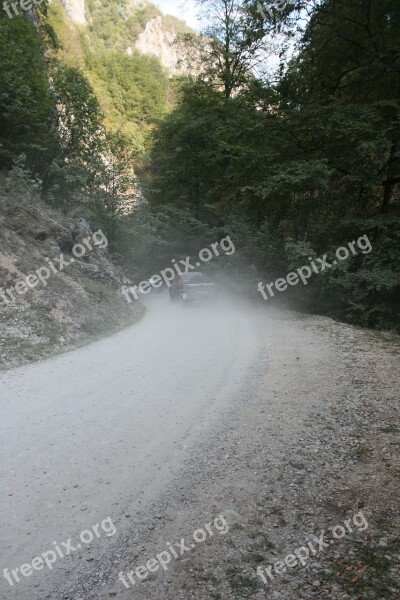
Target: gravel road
x=229, y=410
x=95, y=432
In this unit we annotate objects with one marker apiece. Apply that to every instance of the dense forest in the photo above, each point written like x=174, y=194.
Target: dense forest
x=286, y=137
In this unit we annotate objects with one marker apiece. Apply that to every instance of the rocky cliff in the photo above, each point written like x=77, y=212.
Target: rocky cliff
x=147, y=29
x=75, y=9
x=156, y=39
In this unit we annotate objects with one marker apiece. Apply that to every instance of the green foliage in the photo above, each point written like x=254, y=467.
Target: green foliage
x=134, y=89
x=19, y=179
x=305, y=166
x=75, y=163
x=110, y=30
x=233, y=44
x=78, y=113
x=25, y=101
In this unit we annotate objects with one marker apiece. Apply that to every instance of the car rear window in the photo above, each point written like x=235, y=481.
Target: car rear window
x=192, y=278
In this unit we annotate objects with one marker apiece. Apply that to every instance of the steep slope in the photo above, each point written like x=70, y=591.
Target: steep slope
x=124, y=25
x=128, y=54
x=62, y=309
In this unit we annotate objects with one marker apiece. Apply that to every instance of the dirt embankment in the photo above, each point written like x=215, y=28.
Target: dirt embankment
x=66, y=301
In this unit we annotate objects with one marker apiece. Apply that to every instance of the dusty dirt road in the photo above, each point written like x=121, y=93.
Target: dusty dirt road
x=93, y=433
x=230, y=410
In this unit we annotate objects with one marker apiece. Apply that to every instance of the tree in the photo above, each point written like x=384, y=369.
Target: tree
x=305, y=165
x=26, y=106
x=117, y=183
x=233, y=45
x=77, y=164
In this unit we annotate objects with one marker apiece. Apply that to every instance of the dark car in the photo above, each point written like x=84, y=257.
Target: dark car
x=191, y=287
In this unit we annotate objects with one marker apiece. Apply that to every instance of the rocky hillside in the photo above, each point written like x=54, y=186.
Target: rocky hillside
x=51, y=299
x=144, y=27
x=158, y=40
x=127, y=52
